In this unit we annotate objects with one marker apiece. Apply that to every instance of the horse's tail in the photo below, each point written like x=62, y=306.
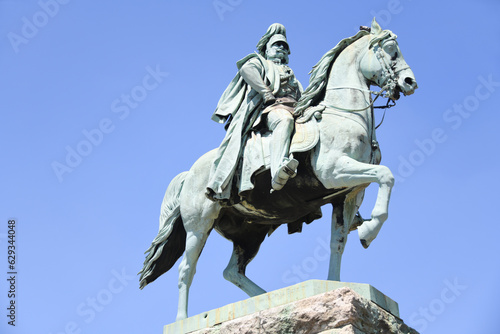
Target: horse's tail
x=170, y=242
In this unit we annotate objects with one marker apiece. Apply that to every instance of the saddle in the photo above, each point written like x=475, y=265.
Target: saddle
x=256, y=153
x=306, y=134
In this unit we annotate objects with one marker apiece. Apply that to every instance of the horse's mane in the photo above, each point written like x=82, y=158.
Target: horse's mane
x=319, y=73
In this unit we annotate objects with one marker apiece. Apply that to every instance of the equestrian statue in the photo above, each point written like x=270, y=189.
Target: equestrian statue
x=286, y=153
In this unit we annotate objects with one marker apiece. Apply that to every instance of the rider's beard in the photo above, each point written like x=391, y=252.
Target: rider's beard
x=277, y=56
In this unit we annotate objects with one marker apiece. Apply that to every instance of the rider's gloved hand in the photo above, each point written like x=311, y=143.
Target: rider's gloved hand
x=269, y=99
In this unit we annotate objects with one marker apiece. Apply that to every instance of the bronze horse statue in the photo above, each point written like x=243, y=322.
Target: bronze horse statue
x=342, y=163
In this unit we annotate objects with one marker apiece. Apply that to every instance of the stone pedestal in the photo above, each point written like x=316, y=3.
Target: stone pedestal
x=315, y=306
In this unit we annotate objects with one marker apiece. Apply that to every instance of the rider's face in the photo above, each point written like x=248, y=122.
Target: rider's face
x=278, y=52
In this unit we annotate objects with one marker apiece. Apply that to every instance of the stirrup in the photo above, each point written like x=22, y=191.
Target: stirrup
x=286, y=171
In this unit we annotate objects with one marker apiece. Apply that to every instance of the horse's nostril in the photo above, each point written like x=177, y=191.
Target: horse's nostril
x=409, y=80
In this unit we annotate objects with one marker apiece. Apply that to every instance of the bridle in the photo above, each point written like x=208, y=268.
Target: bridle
x=388, y=85
x=389, y=74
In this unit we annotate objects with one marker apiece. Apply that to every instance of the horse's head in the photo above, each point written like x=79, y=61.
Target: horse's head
x=383, y=64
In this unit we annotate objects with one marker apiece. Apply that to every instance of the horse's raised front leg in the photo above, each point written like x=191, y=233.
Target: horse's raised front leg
x=348, y=172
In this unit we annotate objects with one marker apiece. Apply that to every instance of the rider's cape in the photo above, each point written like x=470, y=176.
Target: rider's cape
x=232, y=99
x=243, y=107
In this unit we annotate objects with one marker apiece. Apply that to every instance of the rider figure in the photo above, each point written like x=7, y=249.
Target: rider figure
x=265, y=87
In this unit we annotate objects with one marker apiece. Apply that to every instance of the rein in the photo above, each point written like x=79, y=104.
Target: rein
x=378, y=94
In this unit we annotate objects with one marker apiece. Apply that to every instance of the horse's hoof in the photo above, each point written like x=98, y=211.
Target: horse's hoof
x=368, y=231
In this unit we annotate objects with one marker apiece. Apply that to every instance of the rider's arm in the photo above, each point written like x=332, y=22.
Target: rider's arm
x=251, y=73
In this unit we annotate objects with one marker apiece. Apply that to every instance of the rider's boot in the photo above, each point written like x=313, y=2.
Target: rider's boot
x=283, y=166
x=288, y=169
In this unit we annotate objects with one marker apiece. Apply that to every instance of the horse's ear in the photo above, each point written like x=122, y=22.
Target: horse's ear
x=375, y=27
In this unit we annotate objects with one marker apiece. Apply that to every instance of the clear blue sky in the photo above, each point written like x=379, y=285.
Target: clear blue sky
x=66, y=69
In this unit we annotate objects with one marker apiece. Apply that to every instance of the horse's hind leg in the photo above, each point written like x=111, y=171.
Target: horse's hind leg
x=195, y=241
x=243, y=252
x=198, y=216
x=198, y=221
